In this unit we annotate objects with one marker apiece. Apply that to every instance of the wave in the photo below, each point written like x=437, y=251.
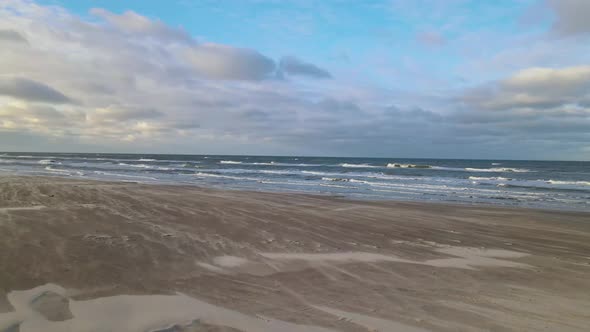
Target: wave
x=135, y=165
x=270, y=163
x=48, y=162
x=543, y=184
x=211, y=175
x=357, y=165
x=146, y=159
x=63, y=171
x=496, y=178
x=394, y=165
x=125, y=175
x=265, y=171
x=147, y=167
x=291, y=183
x=498, y=170
x=496, y=164
x=315, y=173
x=476, y=170
x=336, y=179
x=57, y=170
x=575, y=183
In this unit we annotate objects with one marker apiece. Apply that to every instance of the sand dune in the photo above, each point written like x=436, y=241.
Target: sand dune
x=87, y=256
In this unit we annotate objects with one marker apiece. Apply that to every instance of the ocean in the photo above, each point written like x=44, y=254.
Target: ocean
x=541, y=184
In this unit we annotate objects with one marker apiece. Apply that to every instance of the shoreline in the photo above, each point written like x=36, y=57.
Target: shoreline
x=341, y=197
x=550, y=185
x=205, y=259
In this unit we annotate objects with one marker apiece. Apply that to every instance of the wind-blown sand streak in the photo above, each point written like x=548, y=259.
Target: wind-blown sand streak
x=144, y=258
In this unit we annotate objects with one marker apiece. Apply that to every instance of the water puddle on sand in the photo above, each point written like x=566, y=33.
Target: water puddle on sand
x=128, y=313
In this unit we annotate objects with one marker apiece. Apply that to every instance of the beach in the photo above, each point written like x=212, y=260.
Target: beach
x=84, y=255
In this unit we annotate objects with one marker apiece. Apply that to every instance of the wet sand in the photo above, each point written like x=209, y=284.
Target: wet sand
x=114, y=256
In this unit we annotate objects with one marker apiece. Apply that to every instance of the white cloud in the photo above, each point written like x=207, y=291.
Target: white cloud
x=562, y=80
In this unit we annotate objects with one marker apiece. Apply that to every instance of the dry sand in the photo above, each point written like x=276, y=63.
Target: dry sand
x=103, y=256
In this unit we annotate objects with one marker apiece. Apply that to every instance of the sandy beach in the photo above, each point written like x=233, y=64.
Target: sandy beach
x=78, y=255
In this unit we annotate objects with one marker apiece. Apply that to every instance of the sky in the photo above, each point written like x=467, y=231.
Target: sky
x=505, y=79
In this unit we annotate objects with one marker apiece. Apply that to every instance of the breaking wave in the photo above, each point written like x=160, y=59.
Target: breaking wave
x=394, y=165
x=357, y=165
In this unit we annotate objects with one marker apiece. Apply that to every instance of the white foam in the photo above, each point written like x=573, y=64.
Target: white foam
x=574, y=183
x=55, y=170
x=396, y=165
x=230, y=162
x=498, y=170
x=47, y=162
x=496, y=178
x=357, y=165
x=146, y=166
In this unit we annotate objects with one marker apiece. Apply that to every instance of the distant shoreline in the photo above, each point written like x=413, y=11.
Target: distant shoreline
x=545, y=185
x=286, y=156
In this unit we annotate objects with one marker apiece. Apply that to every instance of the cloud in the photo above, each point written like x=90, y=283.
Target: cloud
x=535, y=104
x=120, y=114
x=142, y=85
x=293, y=66
x=571, y=17
x=230, y=63
x=11, y=36
x=569, y=80
x=22, y=117
x=539, y=88
x=30, y=90
x=137, y=25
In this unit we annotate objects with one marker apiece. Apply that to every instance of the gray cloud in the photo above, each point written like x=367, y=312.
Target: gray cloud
x=122, y=114
x=229, y=63
x=30, y=90
x=293, y=66
x=571, y=17
x=11, y=36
